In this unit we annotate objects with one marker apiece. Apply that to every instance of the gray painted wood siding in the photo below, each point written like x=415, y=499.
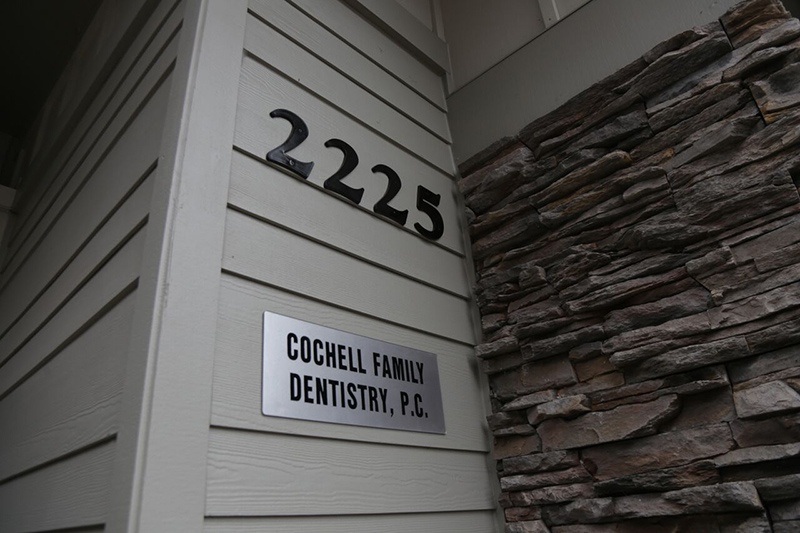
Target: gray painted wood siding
x=69, y=277
x=294, y=248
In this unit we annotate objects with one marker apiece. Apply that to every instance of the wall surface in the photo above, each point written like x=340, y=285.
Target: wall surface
x=151, y=235
x=637, y=258
x=69, y=277
x=590, y=44
x=470, y=24
x=294, y=247
x=481, y=34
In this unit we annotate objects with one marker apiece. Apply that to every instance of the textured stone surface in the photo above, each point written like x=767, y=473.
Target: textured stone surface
x=567, y=407
x=520, y=514
x=487, y=186
x=498, y=347
x=779, y=488
x=735, y=523
x=515, y=446
x=616, y=294
x=708, y=117
x=775, y=397
x=738, y=21
x=551, y=495
x=778, y=430
x=778, y=92
x=605, y=135
x=652, y=313
x=623, y=346
x=617, y=424
x=541, y=462
x=721, y=498
x=690, y=107
x=789, y=526
x=761, y=58
x=529, y=400
x=705, y=408
x=582, y=108
x=529, y=526
x=594, y=367
x=561, y=343
x=785, y=511
x=768, y=244
x=549, y=373
x=746, y=456
x=637, y=258
x=754, y=524
x=661, y=451
x=725, y=497
x=700, y=473
x=598, y=383
x=534, y=481
x=692, y=357
x=675, y=65
x=517, y=231
x=772, y=338
x=755, y=307
x=582, y=176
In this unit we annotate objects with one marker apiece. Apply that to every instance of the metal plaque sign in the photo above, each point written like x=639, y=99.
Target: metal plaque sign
x=312, y=372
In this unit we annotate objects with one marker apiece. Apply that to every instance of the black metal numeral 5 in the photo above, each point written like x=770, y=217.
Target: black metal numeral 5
x=334, y=183
x=298, y=134
x=427, y=201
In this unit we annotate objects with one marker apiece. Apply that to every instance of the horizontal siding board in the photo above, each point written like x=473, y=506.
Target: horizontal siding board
x=263, y=252
x=262, y=91
x=338, y=54
x=70, y=493
x=125, y=220
x=308, y=73
x=237, y=371
x=289, y=202
x=461, y=522
x=121, y=86
x=39, y=425
x=408, y=29
x=122, y=154
x=111, y=282
x=255, y=474
x=376, y=45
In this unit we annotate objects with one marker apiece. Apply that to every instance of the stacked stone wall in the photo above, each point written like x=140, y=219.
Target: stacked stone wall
x=638, y=276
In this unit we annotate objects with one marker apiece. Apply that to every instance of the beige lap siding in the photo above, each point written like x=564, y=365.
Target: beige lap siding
x=69, y=276
x=294, y=248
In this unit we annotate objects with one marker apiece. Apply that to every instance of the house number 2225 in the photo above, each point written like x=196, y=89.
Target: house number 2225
x=427, y=200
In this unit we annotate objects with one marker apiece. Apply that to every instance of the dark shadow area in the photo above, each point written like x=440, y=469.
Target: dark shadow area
x=793, y=6
x=37, y=38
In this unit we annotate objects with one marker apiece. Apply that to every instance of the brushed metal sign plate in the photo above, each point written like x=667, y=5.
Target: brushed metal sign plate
x=313, y=372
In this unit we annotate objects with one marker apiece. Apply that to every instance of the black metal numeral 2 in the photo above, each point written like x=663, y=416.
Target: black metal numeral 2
x=298, y=134
x=382, y=207
x=349, y=163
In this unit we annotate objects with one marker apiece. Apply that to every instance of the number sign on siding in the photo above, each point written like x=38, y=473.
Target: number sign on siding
x=313, y=372
x=427, y=201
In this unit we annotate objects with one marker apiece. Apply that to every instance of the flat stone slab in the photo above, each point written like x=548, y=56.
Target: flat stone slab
x=624, y=422
x=769, y=399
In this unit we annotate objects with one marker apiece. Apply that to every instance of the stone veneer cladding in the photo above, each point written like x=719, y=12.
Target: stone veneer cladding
x=638, y=267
